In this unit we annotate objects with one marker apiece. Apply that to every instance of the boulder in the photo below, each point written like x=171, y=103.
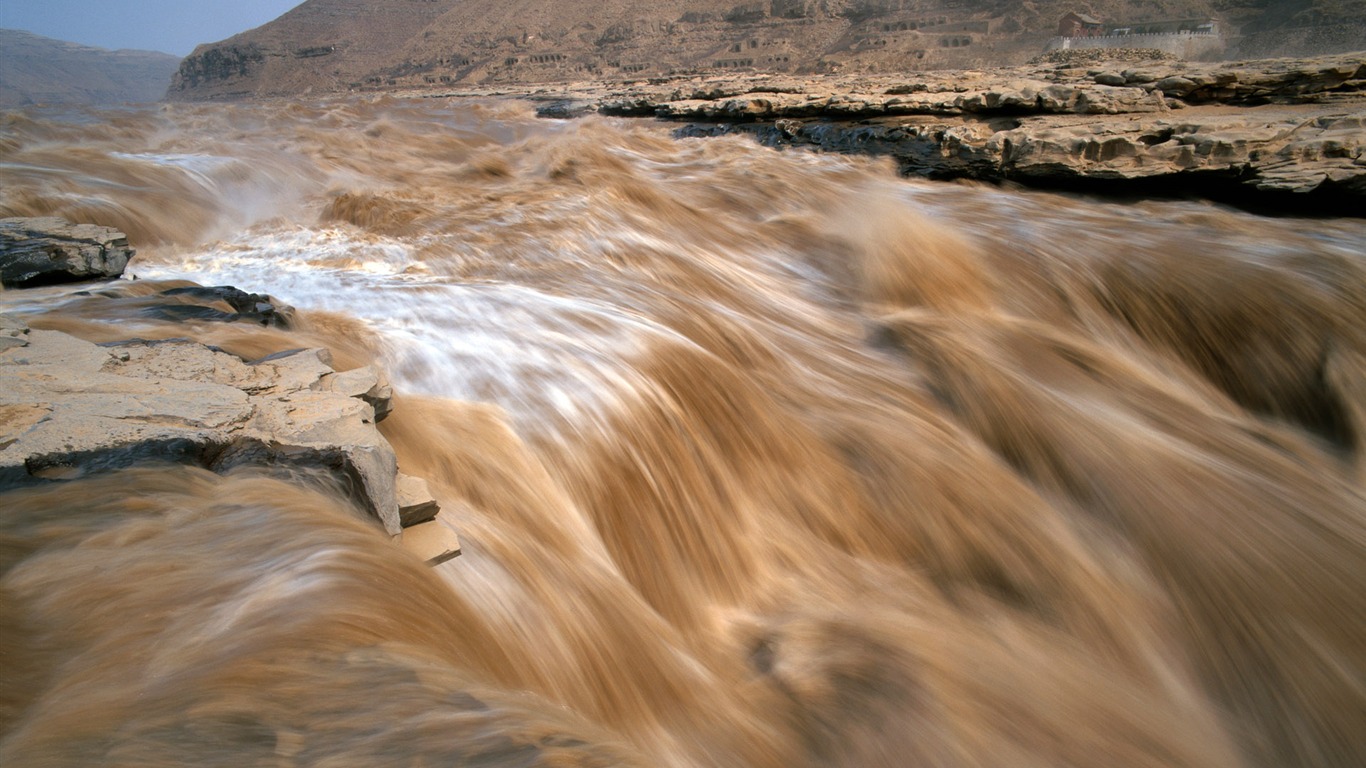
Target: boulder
x=566, y=109
x=1175, y=86
x=48, y=250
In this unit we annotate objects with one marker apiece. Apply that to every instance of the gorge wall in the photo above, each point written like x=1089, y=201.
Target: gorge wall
x=40, y=70
x=329, y=46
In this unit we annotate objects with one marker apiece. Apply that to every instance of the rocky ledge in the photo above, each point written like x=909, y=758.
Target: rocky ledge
x=1286, y=132
x=44, y=251
x=1305, y=161
x=70, y=408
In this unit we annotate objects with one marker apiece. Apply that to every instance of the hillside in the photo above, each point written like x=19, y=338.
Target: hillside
x=348, y=45
x=40, y=70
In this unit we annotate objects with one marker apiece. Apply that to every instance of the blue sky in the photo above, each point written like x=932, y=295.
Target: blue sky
x=172, y=26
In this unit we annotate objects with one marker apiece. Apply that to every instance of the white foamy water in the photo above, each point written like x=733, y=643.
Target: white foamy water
x=539, y=355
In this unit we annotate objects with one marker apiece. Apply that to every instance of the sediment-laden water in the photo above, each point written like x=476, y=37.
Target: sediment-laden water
x=759, y=459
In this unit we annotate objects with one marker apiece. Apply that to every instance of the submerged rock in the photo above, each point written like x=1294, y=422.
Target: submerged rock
x=221, y=303
x=48, y=250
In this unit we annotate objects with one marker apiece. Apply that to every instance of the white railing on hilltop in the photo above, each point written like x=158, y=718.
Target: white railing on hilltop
x=1092, y=38
x=1185, y=43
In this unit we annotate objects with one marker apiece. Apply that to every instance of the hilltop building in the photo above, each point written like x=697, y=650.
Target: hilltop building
x=1075, y=24
x=1192, y=38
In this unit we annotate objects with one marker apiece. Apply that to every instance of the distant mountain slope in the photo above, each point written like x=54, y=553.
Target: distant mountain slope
x=345, y=45
x=38, y=70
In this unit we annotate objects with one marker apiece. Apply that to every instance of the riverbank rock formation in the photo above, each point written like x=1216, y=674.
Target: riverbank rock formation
x=75, y=408
x=48, y=250
x=71, y=408
x=331, y=46
x=1287, y=132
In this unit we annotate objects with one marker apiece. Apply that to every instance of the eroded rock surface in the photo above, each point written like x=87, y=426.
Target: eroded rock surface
x=69, y=408
x=433, y=541
x=48, y=250
x=1276, y=151
x=1094, y=87
x=1286, y=129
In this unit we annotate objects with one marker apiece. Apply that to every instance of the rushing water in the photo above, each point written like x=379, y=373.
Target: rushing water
x=759, y=459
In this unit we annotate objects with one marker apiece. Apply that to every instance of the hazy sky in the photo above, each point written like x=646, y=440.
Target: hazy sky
x=172, y=26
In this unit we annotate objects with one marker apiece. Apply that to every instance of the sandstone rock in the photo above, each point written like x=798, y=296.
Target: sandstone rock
x=47, y=250
x=72, y=408
x=1286, y=154
x=96, y=420
x=1291, y=127
x=433, y=542
x=297, y=369
x=1251, y=152
x=1008, y=90
x=368, y=384
x=415, y=501
x=1175, y=85
x=13, y=333
x=1139, y=76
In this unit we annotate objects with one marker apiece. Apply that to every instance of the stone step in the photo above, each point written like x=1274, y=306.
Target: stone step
x=434, y=542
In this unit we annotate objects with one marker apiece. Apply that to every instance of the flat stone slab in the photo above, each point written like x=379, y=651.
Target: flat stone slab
x=69, y=408
x=434, y=542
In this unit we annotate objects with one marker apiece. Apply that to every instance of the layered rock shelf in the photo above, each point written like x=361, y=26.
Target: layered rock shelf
x=48, y=250
x=1280, y=131
x=1270, y=154
x=71, y=408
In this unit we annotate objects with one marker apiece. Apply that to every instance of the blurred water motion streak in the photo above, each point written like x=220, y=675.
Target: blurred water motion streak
x=761, y=460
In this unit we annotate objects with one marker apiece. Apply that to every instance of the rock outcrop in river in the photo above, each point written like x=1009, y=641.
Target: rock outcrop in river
x=49, y=250
x=1279, y=131
x=70, y=408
